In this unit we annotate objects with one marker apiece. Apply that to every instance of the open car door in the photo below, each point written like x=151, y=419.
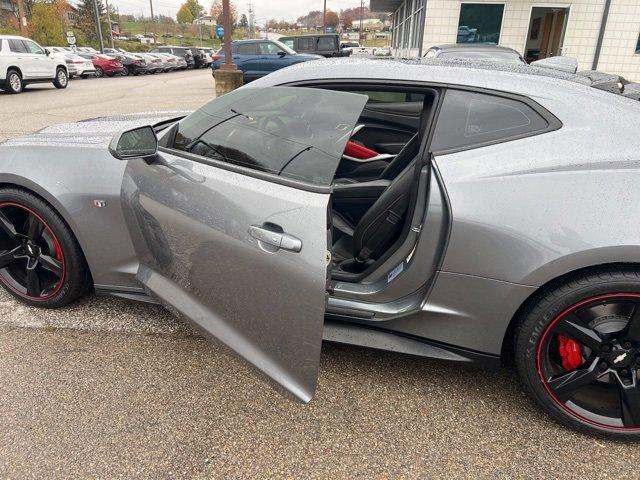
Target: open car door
x=229, y=222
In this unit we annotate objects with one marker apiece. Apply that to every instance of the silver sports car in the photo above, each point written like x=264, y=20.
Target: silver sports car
x=468, y=213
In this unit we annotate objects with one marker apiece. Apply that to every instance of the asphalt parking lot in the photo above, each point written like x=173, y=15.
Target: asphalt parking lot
x=112, y=389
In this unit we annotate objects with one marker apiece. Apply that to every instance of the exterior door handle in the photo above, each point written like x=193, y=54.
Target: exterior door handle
x=279, y=240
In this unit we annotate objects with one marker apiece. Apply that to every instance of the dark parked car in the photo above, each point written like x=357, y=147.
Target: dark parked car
x=182, y=52
x=468, y=51
x=327, y=45
x=257, y=58
x=132, y=65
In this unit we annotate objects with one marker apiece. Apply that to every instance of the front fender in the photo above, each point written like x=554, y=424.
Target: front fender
x=71, y=180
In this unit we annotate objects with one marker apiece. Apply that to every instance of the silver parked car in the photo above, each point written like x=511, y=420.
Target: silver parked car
x=468, y=213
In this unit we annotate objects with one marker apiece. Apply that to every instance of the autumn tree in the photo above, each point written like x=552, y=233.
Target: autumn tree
x=46, y=26
x=332, y=20
x=216, y=12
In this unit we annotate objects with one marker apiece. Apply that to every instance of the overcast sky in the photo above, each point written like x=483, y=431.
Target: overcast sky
x=264, y=9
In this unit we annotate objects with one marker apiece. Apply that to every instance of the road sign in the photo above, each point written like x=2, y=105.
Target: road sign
x=71, y=39
x=220, y=31
x=329, y=29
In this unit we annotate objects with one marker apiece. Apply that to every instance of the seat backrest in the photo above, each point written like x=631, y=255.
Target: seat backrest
x=412, y=148
x=381, y=225
x=399, y=163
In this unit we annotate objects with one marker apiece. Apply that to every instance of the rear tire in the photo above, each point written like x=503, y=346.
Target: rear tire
x=56, y=241
x=62, y=79
x=591, y=392
x=13, y=83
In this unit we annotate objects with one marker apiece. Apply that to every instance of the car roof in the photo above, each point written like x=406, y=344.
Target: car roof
x=473, y=47
x=250, y=40
x=13, y=37
x=312, y=35
x=481, y=73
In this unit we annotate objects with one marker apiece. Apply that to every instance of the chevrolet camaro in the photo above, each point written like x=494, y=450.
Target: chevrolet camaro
x=472, y=213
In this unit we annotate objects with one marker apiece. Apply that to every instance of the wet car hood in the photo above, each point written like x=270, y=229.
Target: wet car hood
x=91, y=133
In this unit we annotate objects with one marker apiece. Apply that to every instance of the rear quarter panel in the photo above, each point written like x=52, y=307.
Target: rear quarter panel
x=530, y=210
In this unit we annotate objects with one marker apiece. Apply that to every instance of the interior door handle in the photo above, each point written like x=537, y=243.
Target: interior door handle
x=275, y=239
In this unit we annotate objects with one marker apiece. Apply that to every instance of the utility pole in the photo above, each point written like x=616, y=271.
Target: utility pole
x=227, y=77
x=23, y=18
x=98, y=27
x=361, y=16
x=106, y=4
x=252, y=20
x=153, y=22
x=324, y=17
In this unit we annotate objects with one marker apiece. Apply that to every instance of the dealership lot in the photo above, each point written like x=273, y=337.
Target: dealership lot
x=111, y=388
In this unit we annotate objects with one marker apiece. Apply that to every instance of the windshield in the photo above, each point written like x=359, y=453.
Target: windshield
x=290, y=51
x=294, y=132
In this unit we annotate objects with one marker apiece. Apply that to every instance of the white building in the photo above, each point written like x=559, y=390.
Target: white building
x=600, y=34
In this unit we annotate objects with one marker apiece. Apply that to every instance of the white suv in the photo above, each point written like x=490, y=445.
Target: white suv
x=23, y=61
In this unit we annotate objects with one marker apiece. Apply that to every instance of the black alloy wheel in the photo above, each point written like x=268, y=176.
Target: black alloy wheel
x=578, y=352
x=40, y=260
x=31, y=260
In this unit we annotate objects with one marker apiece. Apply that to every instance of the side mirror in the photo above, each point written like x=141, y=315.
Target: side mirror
x=134, y=143
x=282, y=54
x=47, y=52
x=563, y=64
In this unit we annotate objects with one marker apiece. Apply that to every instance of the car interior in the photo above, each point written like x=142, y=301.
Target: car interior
x=375, y=185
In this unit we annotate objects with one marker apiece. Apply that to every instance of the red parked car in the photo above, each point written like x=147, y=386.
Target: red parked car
x=104, y=64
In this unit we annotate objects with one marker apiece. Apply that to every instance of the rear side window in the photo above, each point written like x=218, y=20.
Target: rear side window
x=326, y=43
x=247, y=49
x=470, y=119
x=306, y=44
x=17, y=46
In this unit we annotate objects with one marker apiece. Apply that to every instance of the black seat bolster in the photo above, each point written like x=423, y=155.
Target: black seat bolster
x=382, y=223
x=398, y=164
x=341, y=224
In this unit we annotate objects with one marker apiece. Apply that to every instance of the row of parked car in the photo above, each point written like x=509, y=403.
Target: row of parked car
x=86, y=61
x=23, y=62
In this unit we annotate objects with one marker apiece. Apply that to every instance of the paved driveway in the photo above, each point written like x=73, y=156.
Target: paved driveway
x=112, y=389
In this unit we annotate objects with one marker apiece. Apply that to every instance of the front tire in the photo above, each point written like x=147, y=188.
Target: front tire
x=578, y=352
x=41, y=263
x=62, y=79
x=13, y=83
x=99, y=72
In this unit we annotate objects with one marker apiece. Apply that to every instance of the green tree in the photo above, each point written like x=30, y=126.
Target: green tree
x=194, y=7
x=244, y=23
x=86, y=20
x=46, y=25
x=184, y=15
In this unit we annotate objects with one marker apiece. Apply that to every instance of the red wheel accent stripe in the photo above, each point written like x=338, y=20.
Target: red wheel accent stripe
x=58, y=251
x=546, y=334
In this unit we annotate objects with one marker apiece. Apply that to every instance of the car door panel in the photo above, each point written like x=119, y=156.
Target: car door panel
x=267, y=306
x=240, y=252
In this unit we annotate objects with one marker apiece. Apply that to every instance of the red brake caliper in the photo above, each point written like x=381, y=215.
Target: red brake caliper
x=570, y=353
